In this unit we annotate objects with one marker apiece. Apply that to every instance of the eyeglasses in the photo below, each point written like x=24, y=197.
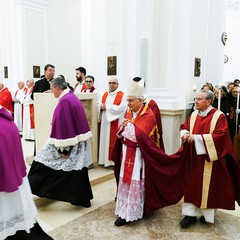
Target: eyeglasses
x=88, y=81
x=112, y=83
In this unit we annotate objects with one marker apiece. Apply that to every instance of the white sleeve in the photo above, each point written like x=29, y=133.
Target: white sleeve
x=199, y=144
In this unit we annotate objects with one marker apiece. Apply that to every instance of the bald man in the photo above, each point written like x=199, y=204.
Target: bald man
x=112, y=106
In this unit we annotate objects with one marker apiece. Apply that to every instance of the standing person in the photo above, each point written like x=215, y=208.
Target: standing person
x=43, y=85
x=146, y=182
x=156, y=111
x=205, y=86
x=80, y=77
x=28, y=113
x=89, y=82
x=230, y=87
x=225, y=107
x=60, y=169
x=233, y=99
x=18, y=105
x=17, y=208
x=5, y=98
x=215, y=175
x=112, y=107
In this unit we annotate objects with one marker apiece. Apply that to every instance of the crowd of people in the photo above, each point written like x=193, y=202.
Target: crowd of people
x=226, y=100
x=204, y=171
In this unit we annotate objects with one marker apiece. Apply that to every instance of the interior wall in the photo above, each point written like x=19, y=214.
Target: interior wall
x=232, y=47
x=64, y=37
x=34, y=41
x=154, y=39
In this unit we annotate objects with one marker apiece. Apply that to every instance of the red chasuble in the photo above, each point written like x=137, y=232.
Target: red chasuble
x=165, y=176
x=156, y=111
x=6, y=99
x=215, y=176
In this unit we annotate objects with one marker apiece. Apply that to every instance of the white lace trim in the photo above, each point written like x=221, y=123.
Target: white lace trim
x=80, y=156
x=129, y=132
x=130, y=200
x=17, y=209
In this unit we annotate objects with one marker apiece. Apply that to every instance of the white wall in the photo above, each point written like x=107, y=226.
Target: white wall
x=232, y=47
x=154, y=39
x=64, y=37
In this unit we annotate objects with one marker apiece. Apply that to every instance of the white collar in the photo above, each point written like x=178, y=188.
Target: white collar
x=64, y=92
x=205, y=113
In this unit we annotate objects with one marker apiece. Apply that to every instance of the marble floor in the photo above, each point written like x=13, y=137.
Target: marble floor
x=64, y=221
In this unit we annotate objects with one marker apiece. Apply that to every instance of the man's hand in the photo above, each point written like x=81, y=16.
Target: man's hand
x=188, y=137
x=125, y=122
x=64, y=156
x=185, y=137
x=103, y=107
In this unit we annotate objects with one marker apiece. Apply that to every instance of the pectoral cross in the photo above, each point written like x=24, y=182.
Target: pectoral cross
x=129, y=162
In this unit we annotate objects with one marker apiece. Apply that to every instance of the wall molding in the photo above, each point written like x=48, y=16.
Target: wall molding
x=40, y=5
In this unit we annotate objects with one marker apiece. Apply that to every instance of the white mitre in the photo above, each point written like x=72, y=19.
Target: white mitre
x=136, y=89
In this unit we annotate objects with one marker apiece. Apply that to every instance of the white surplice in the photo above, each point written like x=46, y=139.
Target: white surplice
x=17, y=210
x=28, y=132
x=112, y=113
x=19, y=95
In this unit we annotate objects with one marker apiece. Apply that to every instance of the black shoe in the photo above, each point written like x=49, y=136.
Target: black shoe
x=120, y=222
x=188, y=221
x=202, y=219
x=86, y=204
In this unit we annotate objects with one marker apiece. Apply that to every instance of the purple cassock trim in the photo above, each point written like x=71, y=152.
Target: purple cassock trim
x=12, y=165
x=69, y=123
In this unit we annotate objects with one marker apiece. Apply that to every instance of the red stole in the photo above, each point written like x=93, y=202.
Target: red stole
x=16, y=93
x=31, y=107
x=130, y=152
x=85, y=89
x=129, y=160
x=131, y=146
x=114, y=124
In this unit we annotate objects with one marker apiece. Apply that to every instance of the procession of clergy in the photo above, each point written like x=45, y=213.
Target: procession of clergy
x=204, y=172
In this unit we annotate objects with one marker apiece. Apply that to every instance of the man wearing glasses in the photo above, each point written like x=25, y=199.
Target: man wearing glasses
x=88, y=86
x=112, y=106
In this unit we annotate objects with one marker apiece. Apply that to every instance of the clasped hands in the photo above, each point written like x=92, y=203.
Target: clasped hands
x=103, y=107
x=125, y=122
x=188, y=137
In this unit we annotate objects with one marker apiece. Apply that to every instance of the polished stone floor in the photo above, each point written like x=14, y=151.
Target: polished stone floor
x=63, y=221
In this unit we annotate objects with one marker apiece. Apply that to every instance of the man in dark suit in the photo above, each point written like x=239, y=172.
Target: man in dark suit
x=43, y=84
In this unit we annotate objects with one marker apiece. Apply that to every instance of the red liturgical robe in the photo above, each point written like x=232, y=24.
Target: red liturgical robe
x=156, y=111
x=165, y=176
x=6, y=99
x=215, y=176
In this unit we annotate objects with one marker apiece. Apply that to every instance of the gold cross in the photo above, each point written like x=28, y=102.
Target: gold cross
x=129, y=162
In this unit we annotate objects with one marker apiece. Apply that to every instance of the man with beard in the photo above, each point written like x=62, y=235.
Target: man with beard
x=80, y=76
